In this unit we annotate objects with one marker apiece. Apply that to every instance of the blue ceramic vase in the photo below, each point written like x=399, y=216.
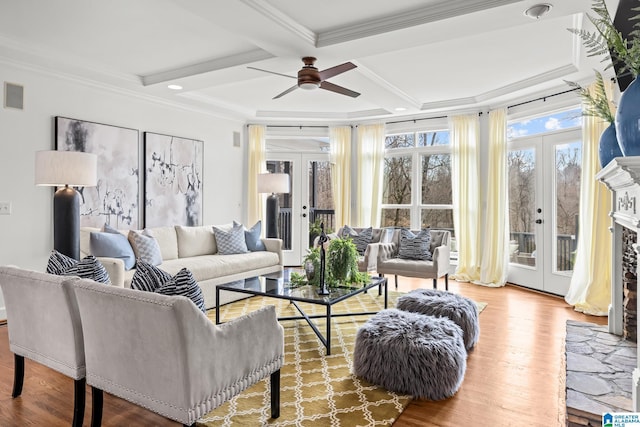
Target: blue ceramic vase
x=628, y=120
x=608, y=149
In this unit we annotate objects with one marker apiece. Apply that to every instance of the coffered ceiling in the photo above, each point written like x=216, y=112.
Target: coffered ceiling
x=417, y=56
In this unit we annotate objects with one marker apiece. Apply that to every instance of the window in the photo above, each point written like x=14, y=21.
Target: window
x=417, y=181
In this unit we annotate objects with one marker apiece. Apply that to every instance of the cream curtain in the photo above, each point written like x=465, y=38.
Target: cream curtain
x=590, y=289
x=340, y=145
x=370, y=162
x=256, y=164
x=495, y=252
x=464, y=131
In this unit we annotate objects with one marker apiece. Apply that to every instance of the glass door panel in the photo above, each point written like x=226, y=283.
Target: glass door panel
x=522, y=206
x=567, y=185
x=320, y=198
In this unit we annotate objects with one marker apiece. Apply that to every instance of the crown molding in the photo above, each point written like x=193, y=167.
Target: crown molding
x=378, y=80
x=431, y=13
x=206, y=66
x=283, y=20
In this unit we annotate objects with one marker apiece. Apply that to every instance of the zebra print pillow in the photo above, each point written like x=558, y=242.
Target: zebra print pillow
x=87, y=268
x=415, y=246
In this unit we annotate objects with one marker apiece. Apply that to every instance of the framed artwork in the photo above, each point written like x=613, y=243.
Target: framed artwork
x=173, y=180
x=115, y=199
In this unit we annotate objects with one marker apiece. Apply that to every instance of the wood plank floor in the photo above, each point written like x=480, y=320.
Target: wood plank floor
x=514, y=375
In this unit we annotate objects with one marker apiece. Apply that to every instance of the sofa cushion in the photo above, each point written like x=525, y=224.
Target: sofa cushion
x=232, y=241
x=184, y=284
x=145, y=246
x=206, y=267
x=87, y=268
x=194, y=241
x=148, y=277
x=415, y=246
x=167, y=239
x=153, y=279
x=112, y=244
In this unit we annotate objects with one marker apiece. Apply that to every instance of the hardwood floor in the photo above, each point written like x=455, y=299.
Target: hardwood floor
x=514, y=375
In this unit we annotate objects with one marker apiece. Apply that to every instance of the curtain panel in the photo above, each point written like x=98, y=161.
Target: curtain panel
x=370, y=168
x=256, y=165
x=340, y=146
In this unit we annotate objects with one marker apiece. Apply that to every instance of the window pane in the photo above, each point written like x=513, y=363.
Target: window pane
x=562, y=120
x=285, y=202
x=522, y=198
x=438, y=219
x=568, y=171
x=396, y=217
x=399, y=141
x=436, y=179
x=430, y=139
x=321, y=196
x=397, y=180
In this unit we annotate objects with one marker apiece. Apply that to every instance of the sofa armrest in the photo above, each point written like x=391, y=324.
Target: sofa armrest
x=275, y=246
x=441, y=259
x=115, y=268
x=371, y=256
x=386, y=251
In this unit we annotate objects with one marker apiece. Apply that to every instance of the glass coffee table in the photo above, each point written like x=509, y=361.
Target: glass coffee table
x=277, y=285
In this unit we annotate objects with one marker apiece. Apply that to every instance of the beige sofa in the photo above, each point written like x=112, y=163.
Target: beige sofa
x=195, y=248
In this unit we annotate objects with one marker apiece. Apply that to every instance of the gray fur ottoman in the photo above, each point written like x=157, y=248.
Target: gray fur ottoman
x=410, y=353
x=434, y=302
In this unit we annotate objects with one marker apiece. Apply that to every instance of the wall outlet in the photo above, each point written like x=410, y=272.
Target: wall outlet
x=5, y=208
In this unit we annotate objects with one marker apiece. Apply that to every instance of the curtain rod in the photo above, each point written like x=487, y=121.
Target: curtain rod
x=415, y=120
x=542, y=98
x=294, y=126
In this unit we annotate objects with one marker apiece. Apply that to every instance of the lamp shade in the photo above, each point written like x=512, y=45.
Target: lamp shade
x=60, y=168
x=275, y=183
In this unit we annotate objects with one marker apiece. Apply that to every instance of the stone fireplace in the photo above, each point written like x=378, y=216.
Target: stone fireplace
x=622, y=178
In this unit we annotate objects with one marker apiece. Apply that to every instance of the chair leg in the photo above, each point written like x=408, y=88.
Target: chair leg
x=446, y=281
x=396, y=281
x=18, y=375
x=275, y=394
x=435, y=283
x=96, y=410
x=79, y=397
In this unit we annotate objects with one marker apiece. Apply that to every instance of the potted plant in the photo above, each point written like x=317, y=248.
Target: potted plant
x=624, y=53
x=597, y=105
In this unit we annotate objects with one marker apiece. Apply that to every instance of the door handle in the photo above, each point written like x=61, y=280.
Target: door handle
x=538, y=221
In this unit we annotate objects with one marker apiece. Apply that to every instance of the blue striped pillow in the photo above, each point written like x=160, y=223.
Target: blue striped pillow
x=415, y=246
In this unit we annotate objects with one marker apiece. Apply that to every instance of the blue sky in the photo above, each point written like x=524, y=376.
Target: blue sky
x=548, y=123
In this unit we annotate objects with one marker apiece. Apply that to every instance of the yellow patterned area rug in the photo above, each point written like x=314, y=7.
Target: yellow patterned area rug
x=316, y=390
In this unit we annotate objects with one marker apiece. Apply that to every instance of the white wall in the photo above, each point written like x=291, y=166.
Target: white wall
x=26, y=236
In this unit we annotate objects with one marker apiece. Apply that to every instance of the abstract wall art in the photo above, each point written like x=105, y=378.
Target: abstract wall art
x=173, y=180
x=115, y=200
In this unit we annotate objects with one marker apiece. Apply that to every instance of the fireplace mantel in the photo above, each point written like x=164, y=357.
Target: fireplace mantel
x=622, y=178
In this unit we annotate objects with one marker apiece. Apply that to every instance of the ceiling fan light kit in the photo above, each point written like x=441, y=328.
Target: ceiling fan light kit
x=310, y=78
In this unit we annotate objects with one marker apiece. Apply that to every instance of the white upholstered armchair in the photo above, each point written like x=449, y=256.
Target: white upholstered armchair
x=162, y=353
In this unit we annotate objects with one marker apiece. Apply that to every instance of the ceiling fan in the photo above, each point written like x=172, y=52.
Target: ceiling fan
x=310, y=78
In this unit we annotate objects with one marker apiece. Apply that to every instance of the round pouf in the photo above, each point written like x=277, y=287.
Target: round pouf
x=433, y=302
x=412, y=354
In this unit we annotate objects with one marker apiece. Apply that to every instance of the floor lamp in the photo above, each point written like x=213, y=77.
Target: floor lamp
x=66, y=169
x=273, y=183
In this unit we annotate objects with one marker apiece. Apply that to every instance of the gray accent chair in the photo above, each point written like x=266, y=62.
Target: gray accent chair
x=162, y=353
x=44, y=326
x=389, y=263
x=367, y=261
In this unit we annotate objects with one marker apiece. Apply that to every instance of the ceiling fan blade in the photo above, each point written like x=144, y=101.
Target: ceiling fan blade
x=291, y=89
x=338, y=89
x=338, y=69
x=272, y=72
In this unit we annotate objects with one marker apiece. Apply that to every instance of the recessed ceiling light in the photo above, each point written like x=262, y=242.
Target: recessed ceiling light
x=175, y=87
x=538, y=10
x=400, y=109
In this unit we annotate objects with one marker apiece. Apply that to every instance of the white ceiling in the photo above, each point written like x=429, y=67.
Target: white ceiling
x=426, y=56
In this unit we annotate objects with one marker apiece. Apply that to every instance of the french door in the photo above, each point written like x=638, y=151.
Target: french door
x=544, y=199
x=310, y=201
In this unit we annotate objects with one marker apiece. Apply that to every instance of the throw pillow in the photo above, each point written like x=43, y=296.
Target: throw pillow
x=252, y=237
x=150, y=278
x=231, y=241
x=87, y=268
x=183, y=283
x=360, y=239
x=147, y=277
x=112, y=244
x=145, y=247
x=415, y=246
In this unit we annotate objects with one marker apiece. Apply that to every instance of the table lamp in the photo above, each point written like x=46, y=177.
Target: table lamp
x=66, y=169
x=273, y=183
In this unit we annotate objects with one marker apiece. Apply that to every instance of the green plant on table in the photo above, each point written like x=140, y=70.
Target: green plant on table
x=342, y=258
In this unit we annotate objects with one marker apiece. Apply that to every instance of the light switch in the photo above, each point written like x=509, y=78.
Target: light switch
x=5, y=208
